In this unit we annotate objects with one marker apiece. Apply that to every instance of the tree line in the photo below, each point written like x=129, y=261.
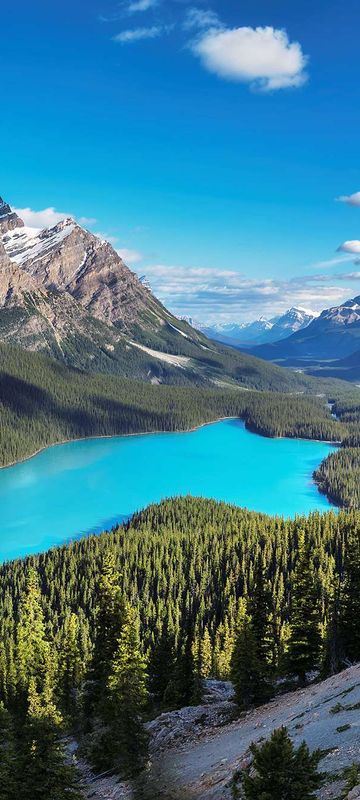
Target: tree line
x=43, y=402
x=98, y=633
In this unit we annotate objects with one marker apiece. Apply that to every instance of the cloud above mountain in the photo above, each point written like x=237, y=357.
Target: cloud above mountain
x=45, y=218
x=227, y=295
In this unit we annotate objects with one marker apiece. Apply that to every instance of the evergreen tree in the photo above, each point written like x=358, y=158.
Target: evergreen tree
x=42, y=762
x=304, y=645
x=32, y=646
x=260, y=608
x=9, y=764
x=248, y=671
x=109, y=618
x=281, y=772
x=71, y=666
x=350, y=601
x=123, y=744
x=162, y=662
x=186, y=687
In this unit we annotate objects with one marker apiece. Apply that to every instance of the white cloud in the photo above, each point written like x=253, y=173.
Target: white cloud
x=45, y=218
x=352, y=246
x=138, y=34
x=350, y=199
x=216, y=294
x=201, y=18
x=129, y=256
x=263, y=57
x=141, y=5
x=106, y=237
x=87, y=220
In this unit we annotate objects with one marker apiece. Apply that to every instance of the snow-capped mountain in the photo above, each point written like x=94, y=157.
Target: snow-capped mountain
x=262, y=330
x=335, y=333
x=68, y=293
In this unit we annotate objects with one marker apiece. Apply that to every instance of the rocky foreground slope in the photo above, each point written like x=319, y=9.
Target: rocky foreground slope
x=195, y=751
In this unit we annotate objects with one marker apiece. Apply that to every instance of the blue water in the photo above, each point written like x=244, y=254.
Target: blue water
x=81, y=487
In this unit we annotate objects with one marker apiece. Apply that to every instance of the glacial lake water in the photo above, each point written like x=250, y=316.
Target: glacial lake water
x=87, y=486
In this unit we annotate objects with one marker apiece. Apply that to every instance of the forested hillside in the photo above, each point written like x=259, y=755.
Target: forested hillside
x=43, y=402
x=98, y=633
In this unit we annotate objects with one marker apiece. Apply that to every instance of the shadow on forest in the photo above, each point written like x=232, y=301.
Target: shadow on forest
x=107, y=416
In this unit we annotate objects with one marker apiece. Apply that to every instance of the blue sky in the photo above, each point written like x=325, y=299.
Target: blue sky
x=209, y=140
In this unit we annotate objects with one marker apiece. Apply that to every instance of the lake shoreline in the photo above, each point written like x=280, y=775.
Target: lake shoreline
x=157, y=432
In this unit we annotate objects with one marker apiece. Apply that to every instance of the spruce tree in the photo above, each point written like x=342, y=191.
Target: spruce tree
x=249, y=673
x=109, y=616
x=42, y=761
x=10, y=775
x=350, y=601
x=260, y=608
x=122, y=745
x=304, y=645
x=162, y=662
x=279, y=771
x=186, y=687
x=71, y=666
x=33, y=654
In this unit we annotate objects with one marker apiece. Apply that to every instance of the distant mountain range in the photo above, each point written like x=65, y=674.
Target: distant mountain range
x=66, y=292
x=334, y=335
x=260, y=331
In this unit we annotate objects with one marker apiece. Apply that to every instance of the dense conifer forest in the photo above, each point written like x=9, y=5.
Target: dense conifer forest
x=102, y=633
x=43, y=402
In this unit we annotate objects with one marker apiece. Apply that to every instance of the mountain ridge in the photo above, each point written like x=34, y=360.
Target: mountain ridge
x=74, y=298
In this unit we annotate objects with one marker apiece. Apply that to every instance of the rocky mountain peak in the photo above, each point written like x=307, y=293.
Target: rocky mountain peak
x=8, y=218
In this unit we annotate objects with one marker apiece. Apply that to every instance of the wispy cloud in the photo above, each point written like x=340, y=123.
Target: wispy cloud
x=350, y=199
x=129, y=256
x=139, y=34
x=141, y=5
x=87, y=221
x=262, y=57
x=211, y=294
x=198, y=18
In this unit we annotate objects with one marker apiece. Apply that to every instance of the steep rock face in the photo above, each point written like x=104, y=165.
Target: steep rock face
x=15, y=285
x=8, y=218
x=72, y=260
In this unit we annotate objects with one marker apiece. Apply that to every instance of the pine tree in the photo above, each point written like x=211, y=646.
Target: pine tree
x=71, y=666
x=304, y=646
x=162, y=662
x=41, y=758
x=350, y=601
x=123, y=744
x=248, y=671
x=260, y=608
x=10, y=775
x=281, y=772
x=109, y=617
x=32, y=645
x=186, y=688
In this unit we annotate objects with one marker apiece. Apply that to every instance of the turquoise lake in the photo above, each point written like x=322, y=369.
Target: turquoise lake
x=87, y=486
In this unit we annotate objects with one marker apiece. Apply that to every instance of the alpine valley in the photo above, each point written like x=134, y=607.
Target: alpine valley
x=67, y=293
